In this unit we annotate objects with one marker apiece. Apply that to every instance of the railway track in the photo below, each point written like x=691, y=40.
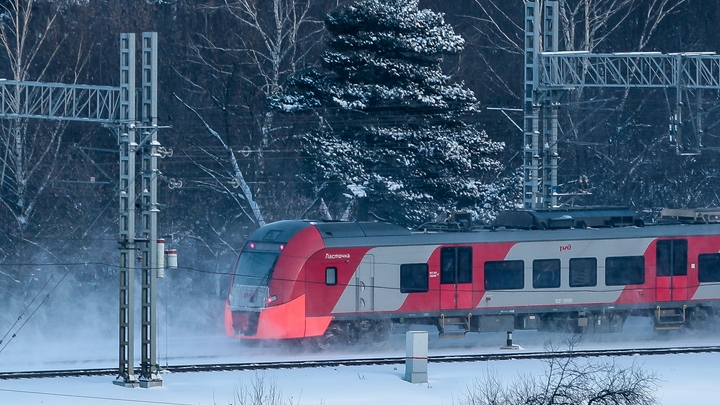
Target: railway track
x=509, y=355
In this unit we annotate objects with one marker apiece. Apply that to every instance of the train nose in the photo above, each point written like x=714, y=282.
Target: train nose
x=240, y=322
x=245, y=323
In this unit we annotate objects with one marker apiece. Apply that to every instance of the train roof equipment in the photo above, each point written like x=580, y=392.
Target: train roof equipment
x=691, y=215
x=450, y=222
x=565, y=218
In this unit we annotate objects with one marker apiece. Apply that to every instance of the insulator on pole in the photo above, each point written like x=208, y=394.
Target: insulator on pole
x=171, y=258
x=160, y=258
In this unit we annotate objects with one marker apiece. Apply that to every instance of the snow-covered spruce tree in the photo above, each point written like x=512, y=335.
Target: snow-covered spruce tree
x=385, y=118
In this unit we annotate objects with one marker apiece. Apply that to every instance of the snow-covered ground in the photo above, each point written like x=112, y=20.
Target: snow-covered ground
x=685, y=379
x=89, y=348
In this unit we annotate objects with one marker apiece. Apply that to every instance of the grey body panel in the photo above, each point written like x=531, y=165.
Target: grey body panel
x=382, y=290
x=600, y=249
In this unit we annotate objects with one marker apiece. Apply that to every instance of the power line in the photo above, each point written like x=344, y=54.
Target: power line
x=134, y=401
x=24, y=311
x=47, y=296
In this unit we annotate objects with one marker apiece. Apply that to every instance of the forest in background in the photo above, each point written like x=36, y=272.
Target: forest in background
x=222, y=62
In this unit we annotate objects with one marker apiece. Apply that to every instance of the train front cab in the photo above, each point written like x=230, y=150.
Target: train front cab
x=267, y=298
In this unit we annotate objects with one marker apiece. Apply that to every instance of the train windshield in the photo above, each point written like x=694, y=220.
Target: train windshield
x=256, y=263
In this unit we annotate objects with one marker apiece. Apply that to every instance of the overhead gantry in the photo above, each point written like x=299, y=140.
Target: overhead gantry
x=115, y=107
x=550, y=72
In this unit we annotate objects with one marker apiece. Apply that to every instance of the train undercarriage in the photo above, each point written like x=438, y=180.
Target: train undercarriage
x=377, y=331
x=373, y=331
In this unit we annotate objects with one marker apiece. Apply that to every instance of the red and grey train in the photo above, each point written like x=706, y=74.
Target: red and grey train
x=346, y=281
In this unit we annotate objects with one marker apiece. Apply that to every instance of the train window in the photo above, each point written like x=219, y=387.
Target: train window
x=330, y=275
x=505, y=275
x=456, y=265
x=414, y=278
x=546, y=273
x=447, y=265
x=464, y=266
x=709, y=268
x=624, y=270
x=272, y=235
x=671, y=257
x=583, y=272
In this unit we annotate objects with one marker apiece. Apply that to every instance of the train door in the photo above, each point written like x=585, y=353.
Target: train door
x=365, y=285
x=456, y=277
x=671, y=266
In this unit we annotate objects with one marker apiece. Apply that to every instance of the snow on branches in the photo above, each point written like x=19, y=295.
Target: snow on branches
x=390, y=120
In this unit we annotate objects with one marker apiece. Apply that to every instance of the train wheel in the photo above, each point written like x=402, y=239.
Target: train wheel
x=329, y=338
x=696, y=321
x=380, y=332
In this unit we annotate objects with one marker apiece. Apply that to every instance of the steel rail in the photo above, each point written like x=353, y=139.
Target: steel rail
x=509, y=355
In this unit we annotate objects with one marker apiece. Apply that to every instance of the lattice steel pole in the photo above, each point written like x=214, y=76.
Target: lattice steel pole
x=126, y=372
x=150, y=375
x=550, y=112
x=531, y=111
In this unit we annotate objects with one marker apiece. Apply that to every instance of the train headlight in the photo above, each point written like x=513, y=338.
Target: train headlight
x=271, y=299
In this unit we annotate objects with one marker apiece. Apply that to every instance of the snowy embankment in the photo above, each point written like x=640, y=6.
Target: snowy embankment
x=686, y=379
x=683, y=378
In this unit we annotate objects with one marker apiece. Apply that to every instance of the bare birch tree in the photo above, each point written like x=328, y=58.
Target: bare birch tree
x=28, y=157
x=266, y=43
x=601, y=129
x=591, y=26
x=567, y=379
x=587, y=24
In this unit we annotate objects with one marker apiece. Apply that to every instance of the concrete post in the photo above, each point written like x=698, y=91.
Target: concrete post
x=416, y=357
x=509, y=342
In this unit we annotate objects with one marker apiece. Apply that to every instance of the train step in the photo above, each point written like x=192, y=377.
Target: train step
x=458, y=326
x=668, y=327
x=453, y=321
x=456, y=334
x=669, y=319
